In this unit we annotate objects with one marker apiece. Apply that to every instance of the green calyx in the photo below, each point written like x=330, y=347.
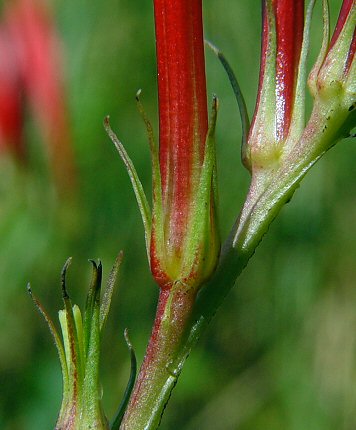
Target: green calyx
x=264, y=151
x=332, y=83
x=141, y=198
x=79, y=353
x=201, y=246
x=81, y=338
x=334, y=74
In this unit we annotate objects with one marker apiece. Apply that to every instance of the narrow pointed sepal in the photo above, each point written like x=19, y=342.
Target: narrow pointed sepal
x=93, y=297
x=110, y=285
x=332, y=80
x=202, y=247
x=56, y=338
x=297, y=120
x=141, y=198
x=313, y=75
x=157, y=216
x=115, y=425
x=245, y=121
x=72, y=346
x=337, y=72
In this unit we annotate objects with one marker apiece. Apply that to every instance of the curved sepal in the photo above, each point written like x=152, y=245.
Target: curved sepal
x=115, y=425
x=157, y=215
x=141, y=198
x=57, y=340
x=297, y=123
x=70, y=336
x=202, y=247
x=245, y=121
x=79, y=351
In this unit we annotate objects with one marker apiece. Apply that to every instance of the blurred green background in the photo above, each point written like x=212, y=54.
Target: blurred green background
x=281, y=352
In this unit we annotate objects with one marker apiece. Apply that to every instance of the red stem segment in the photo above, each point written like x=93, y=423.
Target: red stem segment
x=157, y=375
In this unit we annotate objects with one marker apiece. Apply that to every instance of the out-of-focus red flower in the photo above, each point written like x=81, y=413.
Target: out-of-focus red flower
x=32, y=49
x=38, y=51
x=11, y=118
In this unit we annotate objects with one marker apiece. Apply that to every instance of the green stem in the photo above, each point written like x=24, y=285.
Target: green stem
x=180, y=319
x=157, y=375
x=265, y=199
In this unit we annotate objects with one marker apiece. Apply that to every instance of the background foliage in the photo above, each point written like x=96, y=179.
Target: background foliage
x=281, y=353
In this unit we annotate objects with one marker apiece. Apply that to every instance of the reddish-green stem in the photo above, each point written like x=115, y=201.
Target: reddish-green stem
x=158, y=375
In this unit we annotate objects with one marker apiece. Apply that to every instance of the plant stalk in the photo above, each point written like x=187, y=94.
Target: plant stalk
x=157, y=375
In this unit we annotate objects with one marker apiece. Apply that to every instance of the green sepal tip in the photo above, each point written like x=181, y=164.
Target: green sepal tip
x=115, y=425
x=109, y=290
x=245, y=121
x=141, y=198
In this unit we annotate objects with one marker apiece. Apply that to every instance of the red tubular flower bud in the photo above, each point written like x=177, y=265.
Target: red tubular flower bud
x=184, y=243
x=178, y=250
x=183, y=121
x=282, y=40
